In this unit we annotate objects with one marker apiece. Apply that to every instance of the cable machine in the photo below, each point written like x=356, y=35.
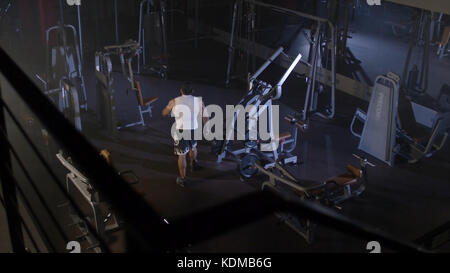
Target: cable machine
x=152, y=38
x=322, y=53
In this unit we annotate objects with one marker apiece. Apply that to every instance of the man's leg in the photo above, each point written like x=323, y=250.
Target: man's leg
x=181, y=151
x=182, y=166
x=193, y=156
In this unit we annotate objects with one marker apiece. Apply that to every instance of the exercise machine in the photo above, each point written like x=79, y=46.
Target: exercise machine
x=152, y=38
x=103, y=218
x=256, y=102
x=322, y=54
x=64, y=81
x=332, y=193
x=395, y=125
x=415, y=80
x=64, y=59
x=105, y=85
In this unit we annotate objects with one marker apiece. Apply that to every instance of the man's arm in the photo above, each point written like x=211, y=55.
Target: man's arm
x=205, y=114
x=166, y=111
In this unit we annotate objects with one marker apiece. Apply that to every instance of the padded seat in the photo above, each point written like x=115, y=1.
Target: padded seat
x=150, y=101
x=445, y=36
x=144, y=105
x=284, y=136
x=143, y=102
x=348, y=178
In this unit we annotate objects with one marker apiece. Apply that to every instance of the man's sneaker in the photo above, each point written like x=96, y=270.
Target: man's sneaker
x=195, y=166
x=181, y=181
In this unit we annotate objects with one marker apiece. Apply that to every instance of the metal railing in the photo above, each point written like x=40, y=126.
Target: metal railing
x=143, y=224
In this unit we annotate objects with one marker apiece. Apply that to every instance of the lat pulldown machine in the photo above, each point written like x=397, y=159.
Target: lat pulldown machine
x=105, y=85
x=322, y=53
x=152, y=38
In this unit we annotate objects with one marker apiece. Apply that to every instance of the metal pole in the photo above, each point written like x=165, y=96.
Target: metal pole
x=80, y=33
x=230, y=48
x=140, y=38
x=196, y=23
x=163, y=26
x=311, y=77
x=61, y=11
x=172, y=17
x=343, y=42
x=116, y=21
x=252, y=33
x=266, y=64
x=9, y=191
x=333, y=72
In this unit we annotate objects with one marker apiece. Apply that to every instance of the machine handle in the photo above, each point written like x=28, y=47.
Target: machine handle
x=300, y=124
x=364, y=161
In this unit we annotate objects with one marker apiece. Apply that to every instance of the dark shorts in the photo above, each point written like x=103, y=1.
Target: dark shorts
x=183, y=146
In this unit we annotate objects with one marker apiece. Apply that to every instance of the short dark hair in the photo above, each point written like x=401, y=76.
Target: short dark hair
x=186, y=88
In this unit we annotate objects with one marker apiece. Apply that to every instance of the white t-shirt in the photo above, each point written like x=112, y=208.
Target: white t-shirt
x=186, y=110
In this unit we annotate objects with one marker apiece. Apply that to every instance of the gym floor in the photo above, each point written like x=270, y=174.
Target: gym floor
x=406, y=200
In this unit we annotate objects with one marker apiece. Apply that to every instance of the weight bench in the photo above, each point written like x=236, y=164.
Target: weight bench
x=144, y=105
x=347, y=185
x=330, y=193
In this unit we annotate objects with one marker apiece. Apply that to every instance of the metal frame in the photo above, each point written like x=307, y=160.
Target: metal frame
x=103, y=66
x=142, y=58
x=310, y=105
x=318, y=193
x=394, y=86
x=421, y=37
x=78, y=68
x=106, y=100
x=141, y=122
x=264, y=98
x=439, y=128
x=82, y=185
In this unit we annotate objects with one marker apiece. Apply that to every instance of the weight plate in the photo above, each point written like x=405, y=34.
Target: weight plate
x=247, y=167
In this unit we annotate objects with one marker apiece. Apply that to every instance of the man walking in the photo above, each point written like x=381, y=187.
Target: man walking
x=188, y=112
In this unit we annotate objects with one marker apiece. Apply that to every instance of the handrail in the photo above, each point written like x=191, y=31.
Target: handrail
x=255, y=206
